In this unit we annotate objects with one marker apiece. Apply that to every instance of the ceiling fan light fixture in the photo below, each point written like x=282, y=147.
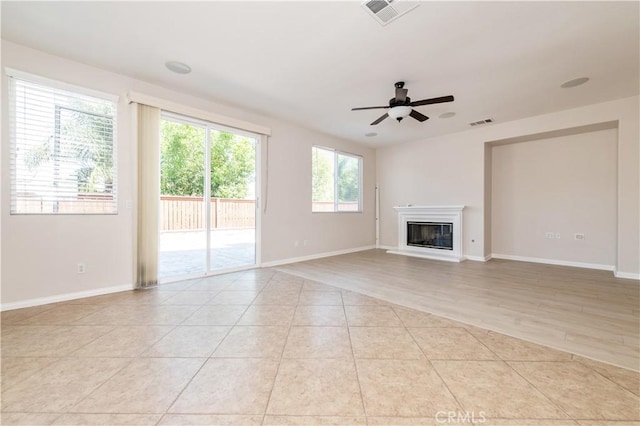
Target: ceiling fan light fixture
x=399, y=112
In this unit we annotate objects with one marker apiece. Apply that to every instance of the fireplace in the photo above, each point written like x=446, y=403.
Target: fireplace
x=433, y=232
x=435, y=235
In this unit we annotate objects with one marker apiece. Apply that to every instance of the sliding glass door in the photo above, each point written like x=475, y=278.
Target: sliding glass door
x=233, y=201
x=208, y=199
x=183, y=228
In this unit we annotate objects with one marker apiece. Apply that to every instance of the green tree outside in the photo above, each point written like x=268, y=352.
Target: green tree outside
x=323, y=162
x=182, y=162
x=322, y=175
x=348, y=179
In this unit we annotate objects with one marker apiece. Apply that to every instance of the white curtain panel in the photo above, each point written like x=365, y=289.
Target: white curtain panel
x=148, y=194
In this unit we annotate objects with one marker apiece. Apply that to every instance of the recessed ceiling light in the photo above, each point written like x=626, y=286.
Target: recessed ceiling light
x=447, y=115
x=178, y=67
x=575, y=82
x=371, y=134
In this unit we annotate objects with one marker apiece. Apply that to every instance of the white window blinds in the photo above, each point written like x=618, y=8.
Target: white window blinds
x=63, y=150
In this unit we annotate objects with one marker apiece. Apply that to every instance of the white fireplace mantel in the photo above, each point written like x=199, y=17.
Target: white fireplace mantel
x=447, y=214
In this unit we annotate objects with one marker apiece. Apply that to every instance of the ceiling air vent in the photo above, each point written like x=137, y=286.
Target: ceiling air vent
x=481, y=122
x=385, y=11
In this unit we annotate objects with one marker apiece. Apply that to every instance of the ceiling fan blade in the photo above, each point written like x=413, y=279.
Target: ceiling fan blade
x=432, y=101
x=401, y=94
x=379, y=119
x=376, y=107
x=420, y=117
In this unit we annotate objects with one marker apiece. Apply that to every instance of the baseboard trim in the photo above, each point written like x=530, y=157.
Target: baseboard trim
x=554, y=262
x=64, y=297
x=386, y=247
x=478, y=258
x=315, y=256
x=626, y=275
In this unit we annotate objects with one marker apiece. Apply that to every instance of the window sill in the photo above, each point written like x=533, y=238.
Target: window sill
x=354, y=212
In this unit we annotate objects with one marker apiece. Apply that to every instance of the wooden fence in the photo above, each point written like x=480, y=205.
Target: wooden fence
x=176, y=213
x=83, y=203
x=187, y=213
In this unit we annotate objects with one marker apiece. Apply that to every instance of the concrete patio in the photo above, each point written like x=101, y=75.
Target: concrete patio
x=183, y=253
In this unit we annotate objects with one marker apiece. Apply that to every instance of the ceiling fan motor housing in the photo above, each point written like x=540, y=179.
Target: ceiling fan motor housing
x=394, y=103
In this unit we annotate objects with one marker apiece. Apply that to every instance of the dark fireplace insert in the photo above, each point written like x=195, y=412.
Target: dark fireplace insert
x=435, y=235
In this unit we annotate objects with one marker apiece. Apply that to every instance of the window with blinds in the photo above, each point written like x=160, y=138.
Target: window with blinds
x=63, y=150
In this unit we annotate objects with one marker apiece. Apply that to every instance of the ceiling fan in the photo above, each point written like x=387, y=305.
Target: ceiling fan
x=401, y=106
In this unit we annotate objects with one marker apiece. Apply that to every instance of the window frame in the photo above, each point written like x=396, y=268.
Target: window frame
x=13, y=76
x=336, y=193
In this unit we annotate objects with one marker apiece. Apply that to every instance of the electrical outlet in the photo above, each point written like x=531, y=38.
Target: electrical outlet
x=82, y=268
x=557, y=235
x=304, y=243
x=548, y=235
x=579, y=236
x=296, y=243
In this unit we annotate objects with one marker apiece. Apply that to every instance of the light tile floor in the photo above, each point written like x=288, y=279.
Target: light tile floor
x=265, y=347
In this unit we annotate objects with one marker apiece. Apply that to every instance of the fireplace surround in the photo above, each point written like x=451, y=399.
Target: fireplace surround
x=433, y=232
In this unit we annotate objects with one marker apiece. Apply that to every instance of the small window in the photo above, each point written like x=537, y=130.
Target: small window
x=337, y=181
x=62, y=149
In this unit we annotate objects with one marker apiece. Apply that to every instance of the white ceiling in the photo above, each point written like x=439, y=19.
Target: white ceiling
x=311, y=62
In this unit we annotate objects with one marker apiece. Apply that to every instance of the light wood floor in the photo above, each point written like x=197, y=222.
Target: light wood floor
x=582, y=311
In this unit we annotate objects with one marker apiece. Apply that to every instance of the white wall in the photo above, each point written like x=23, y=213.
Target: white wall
x=289, y=216
x=436, y=172
x=40, y=253
x=451, y=170
x=563, y=185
